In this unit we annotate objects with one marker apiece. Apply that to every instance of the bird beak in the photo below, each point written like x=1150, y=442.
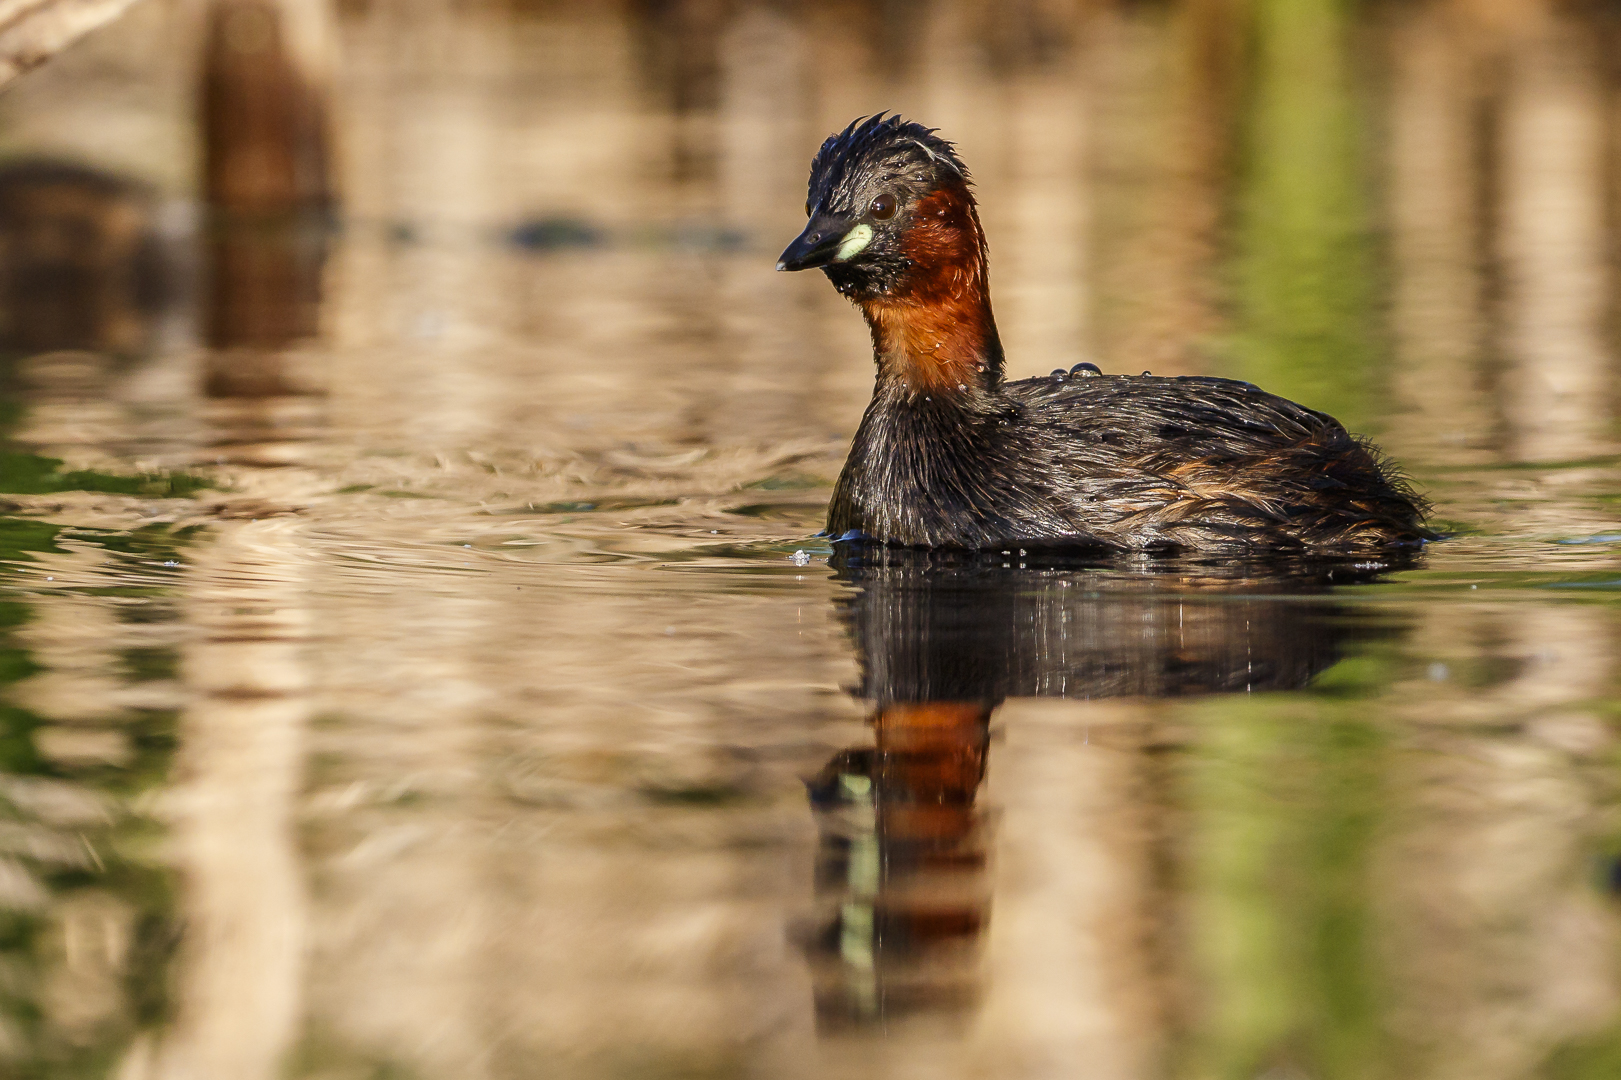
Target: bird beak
x=827, y=238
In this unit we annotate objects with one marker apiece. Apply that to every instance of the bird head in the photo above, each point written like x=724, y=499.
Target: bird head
x=871, y=187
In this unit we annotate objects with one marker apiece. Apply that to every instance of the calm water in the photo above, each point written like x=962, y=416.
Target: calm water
x=418, y=662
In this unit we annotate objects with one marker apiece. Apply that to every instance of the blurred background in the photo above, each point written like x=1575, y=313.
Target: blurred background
x=418, y=662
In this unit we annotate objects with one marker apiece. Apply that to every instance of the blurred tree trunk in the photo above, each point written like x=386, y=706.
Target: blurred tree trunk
x=267, y=178
x=266, y=172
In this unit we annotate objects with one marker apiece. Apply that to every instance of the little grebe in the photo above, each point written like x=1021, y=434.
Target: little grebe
x=950, y=455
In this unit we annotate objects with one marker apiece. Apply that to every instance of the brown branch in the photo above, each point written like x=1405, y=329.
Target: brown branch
x=32, y=31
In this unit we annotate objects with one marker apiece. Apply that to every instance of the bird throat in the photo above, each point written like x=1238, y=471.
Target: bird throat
x=933, y=331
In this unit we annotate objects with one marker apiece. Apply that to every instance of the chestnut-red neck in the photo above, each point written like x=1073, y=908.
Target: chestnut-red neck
x=934, y=332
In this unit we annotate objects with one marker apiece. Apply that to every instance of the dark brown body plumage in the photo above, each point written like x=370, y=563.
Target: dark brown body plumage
x=951, y=455
x=1128, y=462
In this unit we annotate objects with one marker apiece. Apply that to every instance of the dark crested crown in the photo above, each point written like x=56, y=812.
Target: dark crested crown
x=877, y=148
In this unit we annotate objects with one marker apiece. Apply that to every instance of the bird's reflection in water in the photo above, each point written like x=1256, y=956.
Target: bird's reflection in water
x=902, y=863
x=902, y=885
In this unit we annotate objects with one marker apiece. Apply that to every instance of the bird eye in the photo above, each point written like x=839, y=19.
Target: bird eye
x=883, y=207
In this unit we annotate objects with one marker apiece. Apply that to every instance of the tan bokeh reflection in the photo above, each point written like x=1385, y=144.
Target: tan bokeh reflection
x=1502, y=292
x=1161, y=83
x=765, y=352
x=1489, y=882
x=1438, y=297
x=1042, y=283
x=234, y=810
x=1500, y=944
x=241, y=763
x=1551, y=221
x=1082, y=948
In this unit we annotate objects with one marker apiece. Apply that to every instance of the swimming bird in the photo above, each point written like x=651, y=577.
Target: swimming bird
x=951, y=455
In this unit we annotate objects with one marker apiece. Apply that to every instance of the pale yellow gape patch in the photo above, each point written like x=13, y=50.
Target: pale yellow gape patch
x=854, y=241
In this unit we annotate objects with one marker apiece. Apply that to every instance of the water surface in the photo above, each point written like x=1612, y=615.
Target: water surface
x=419, y=662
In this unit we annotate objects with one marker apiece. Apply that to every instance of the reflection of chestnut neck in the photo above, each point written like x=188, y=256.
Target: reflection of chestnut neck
x=932, y=753
x=902, y=866
x=934, y=331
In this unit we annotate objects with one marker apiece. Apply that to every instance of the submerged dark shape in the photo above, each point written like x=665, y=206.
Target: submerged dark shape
x=933, y=626
x=951, y=455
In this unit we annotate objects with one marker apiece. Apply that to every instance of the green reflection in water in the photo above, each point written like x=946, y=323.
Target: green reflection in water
x=1287, y=797
x=30, y=474
x=1593, y=1059
x=88, y=921
x=1303, y=281
x=87, y=907
x=24, y=473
